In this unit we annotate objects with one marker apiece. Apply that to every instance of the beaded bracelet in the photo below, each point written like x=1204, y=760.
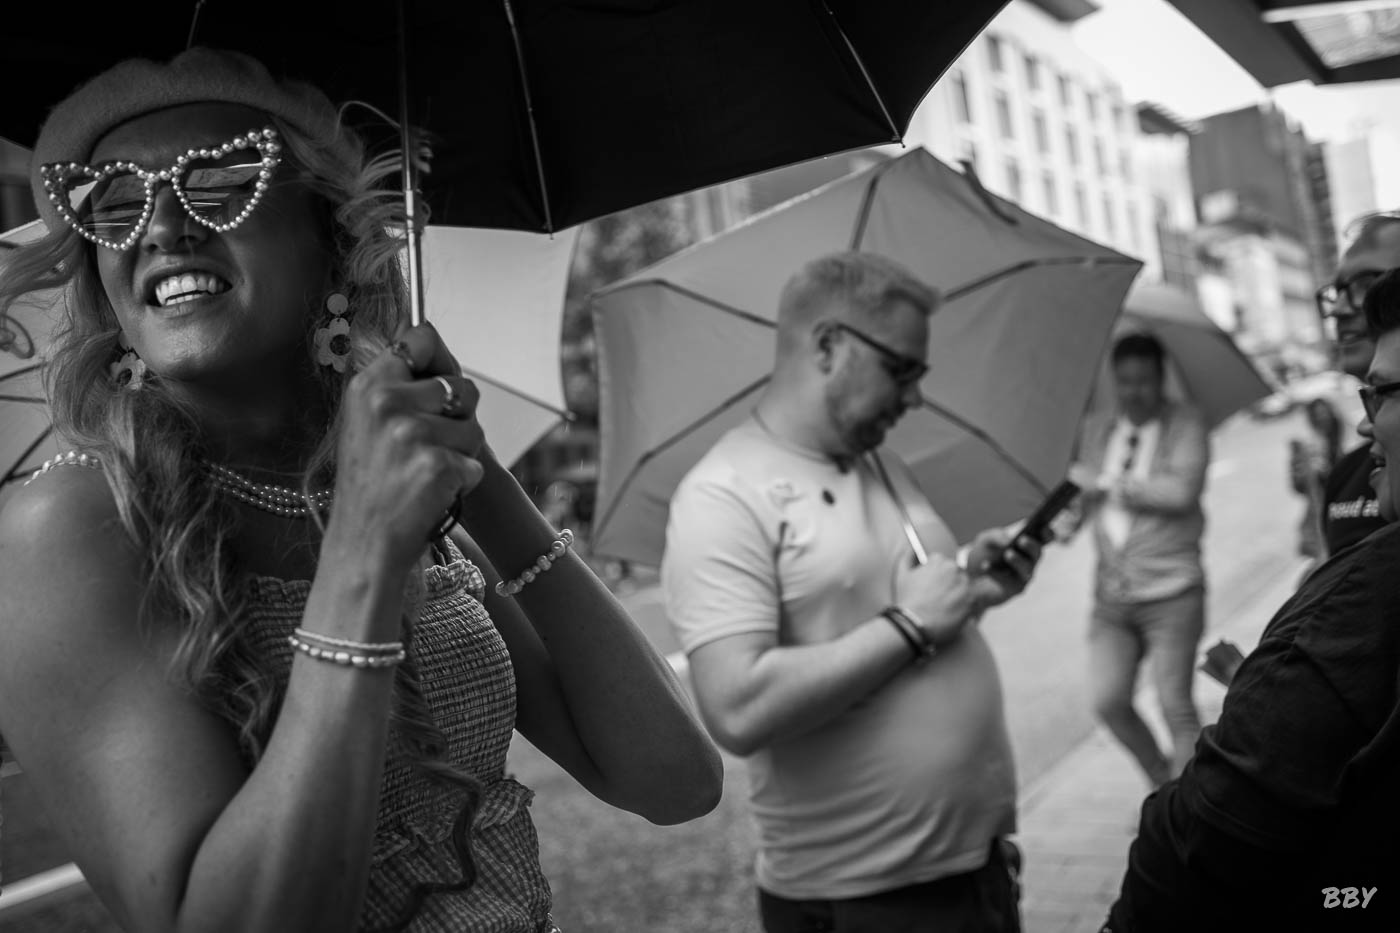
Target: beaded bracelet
x=347, y=658
x=364, y=647
x=562, y=542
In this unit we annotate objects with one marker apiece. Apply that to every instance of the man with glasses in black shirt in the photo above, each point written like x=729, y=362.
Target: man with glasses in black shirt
x=1349, y=510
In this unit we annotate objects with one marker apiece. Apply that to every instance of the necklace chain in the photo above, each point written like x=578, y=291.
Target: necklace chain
x=279, y=500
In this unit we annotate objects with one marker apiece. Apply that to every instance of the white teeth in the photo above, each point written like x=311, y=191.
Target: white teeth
x=187, y=286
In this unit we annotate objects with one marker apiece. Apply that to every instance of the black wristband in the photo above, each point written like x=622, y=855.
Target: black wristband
x=919, y=645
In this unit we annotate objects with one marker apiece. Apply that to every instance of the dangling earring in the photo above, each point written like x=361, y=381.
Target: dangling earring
x=333, y=339
x=128, y=370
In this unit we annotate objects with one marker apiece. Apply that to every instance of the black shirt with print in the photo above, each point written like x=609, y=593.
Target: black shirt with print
x=1350, y=512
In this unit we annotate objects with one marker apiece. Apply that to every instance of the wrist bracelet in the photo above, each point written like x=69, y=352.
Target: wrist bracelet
x=348, y=658
x=919, y=643
x=562, y=542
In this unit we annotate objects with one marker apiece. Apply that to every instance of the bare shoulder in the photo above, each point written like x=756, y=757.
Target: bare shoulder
x=63, y=527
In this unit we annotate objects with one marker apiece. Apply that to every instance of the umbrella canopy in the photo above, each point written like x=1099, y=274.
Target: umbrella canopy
x=546, y=113
x=496, y=296
x=1205, y=367
x=685, y=346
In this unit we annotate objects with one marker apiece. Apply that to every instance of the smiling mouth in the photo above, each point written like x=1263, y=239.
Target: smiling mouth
x=187, y=286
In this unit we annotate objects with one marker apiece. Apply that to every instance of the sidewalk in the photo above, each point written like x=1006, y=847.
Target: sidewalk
x=1078, y=819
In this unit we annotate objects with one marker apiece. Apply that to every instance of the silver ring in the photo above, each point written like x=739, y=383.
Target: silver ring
x=451, y=401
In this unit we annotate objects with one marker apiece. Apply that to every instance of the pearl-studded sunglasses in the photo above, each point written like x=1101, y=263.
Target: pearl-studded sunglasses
x=110, y=204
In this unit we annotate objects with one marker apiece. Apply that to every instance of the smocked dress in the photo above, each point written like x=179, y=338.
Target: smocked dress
x=469, y=684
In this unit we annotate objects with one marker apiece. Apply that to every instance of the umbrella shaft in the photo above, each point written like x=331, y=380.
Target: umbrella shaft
x=416, y=315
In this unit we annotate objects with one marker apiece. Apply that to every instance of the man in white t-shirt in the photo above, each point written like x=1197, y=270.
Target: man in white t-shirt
x=1143, y=469
x=868, y=706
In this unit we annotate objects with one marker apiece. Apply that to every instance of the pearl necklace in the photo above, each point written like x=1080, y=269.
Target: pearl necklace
x=279, y=500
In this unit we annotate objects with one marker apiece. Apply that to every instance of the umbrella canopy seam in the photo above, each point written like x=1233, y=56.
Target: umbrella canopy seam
x=1035, y=263
x=674, y=439
x=694, y=296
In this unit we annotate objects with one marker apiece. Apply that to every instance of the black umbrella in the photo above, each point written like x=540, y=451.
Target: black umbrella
x=547, y=113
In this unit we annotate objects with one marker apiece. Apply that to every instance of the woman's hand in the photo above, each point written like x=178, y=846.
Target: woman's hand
x=409, y=446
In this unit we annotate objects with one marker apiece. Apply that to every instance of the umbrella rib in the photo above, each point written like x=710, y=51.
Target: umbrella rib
x=11, y=473
x=20, y=398
x=22, y=371
x=703, y=299
x=533, y=400
x=956, y=293
x=987, y=439
x=867, y=204
x=676, y=438
x=530, y=116
x=895, y=135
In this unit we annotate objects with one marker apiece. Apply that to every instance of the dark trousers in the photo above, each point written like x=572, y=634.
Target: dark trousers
x=982, y=901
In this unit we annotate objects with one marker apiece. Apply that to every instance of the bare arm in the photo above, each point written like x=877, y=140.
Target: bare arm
x=146, y=786
x=594, y=694
x=1178, y=488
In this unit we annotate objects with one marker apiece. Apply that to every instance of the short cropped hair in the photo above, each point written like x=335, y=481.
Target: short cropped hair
x=1139, y=346
x=1363, y=232
x=866, y=283
x=1382, y=304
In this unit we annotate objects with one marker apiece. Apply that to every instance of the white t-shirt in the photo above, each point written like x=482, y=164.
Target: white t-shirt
x=909, y=784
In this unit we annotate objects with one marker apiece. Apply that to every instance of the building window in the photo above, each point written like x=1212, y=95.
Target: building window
x=1072, y=146
x=995, y=53
x=1118, y=118
x=1109, y=226
x=1066, y=91
x=1013, y=181
x=1125, y=165
x=962, y=99
x=1032, y=73
x=1091, y=104
x=1081, y=206
x=1042, y=132
x=1004, y=116
x=1133, y=242
x=1052, y=196
x=1100, y=162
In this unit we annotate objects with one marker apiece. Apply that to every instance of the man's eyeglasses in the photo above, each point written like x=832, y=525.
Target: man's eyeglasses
x=1352, y=291
x=903, y=369
x=1372, y=396
x=110, y=204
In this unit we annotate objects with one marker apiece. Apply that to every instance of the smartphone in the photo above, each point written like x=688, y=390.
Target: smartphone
x=1037, y=527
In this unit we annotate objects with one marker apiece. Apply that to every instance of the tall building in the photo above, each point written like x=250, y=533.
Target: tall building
x=1254, y=161
x=1163, y=160
x=1266, y=235
x=1044, y=125
x=1362, y=178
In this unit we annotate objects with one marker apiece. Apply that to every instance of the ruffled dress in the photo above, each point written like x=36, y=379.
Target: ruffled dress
x=469, y=684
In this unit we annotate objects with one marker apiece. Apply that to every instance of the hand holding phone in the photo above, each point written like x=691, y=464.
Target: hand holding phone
x=1038, y=527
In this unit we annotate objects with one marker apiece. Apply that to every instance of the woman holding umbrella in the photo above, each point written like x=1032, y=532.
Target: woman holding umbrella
x=257, y=682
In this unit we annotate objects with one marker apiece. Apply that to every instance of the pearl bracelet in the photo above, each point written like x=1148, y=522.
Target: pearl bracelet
x=346, y=658
x=562, y=542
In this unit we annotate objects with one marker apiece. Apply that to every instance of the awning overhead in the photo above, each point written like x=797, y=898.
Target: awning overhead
x=1282, y=41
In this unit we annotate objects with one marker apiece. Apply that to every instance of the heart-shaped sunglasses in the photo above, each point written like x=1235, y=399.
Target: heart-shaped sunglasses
x=110, y=204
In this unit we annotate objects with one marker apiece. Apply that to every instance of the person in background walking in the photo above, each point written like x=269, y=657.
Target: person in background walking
x=1142, y=468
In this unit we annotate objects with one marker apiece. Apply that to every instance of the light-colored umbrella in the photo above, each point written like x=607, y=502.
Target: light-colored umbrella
x=685, y=346
x=496, y=296
x=1204, y=365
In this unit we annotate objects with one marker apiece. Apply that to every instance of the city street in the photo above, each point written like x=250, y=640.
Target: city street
x=595, y=855
x=1251, y=517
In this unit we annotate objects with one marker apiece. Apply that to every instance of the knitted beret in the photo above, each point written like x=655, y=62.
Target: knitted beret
x=139, y=86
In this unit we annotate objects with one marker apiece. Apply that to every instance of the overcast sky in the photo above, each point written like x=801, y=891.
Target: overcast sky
x=1160, y=56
